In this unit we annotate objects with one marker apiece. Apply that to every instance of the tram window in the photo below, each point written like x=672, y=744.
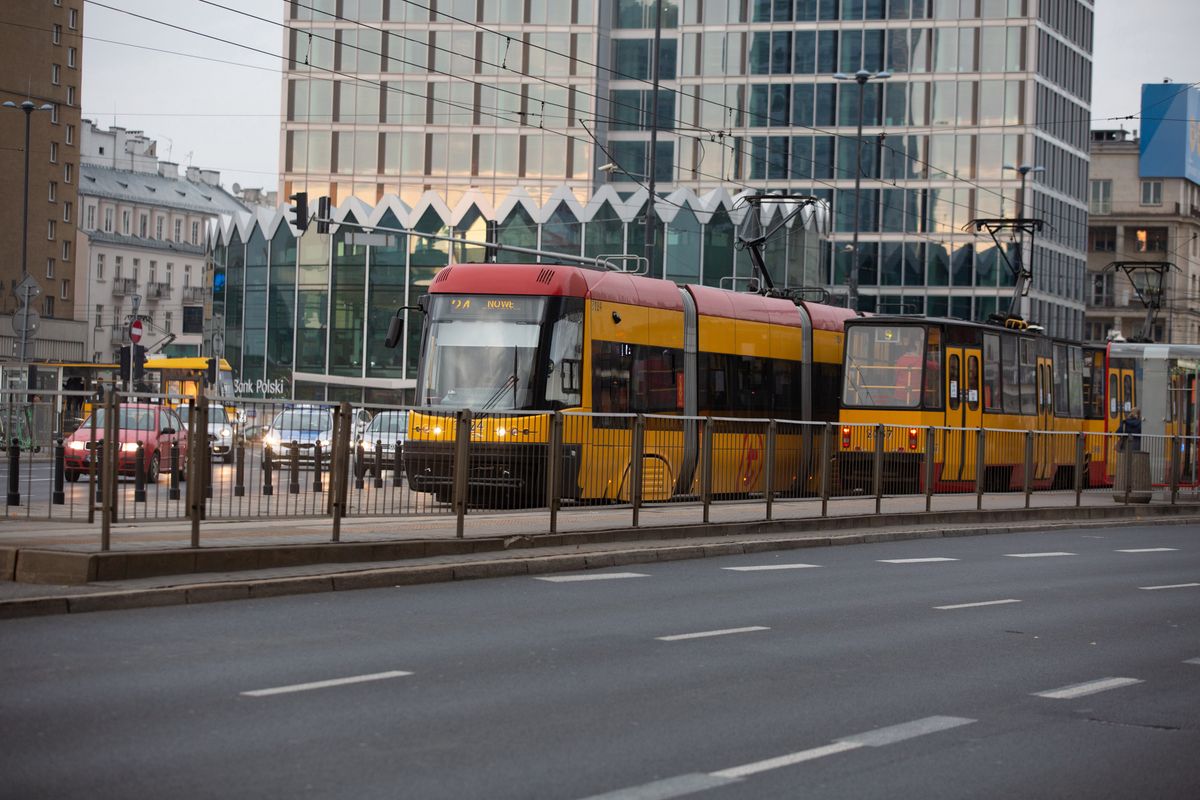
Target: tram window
x=993, y=400
x=1012, y=375
x=1029, y=377
x=1127, y=400
x=1112, y=396
x=933, y=369
x=611, y=364
x=883, y=366
x=785, y=399
x=952, y=388
x=1093, y=385
x=1062, y=399
x=1075, y=381
x=973, y=382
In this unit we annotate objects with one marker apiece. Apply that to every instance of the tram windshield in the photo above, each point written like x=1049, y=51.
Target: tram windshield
x=883, y=366
x=488, y=353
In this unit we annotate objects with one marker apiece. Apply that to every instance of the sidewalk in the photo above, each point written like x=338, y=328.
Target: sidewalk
x=246, y=560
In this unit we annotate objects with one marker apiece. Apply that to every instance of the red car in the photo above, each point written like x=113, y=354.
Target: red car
x=155, y=427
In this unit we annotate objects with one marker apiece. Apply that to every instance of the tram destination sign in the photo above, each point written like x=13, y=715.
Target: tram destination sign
x=510, y=307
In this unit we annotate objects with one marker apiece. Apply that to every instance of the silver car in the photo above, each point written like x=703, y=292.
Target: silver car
x=220, y=430
x=387, y=430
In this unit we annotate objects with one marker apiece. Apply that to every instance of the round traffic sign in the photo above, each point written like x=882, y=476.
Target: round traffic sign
x=135, y=331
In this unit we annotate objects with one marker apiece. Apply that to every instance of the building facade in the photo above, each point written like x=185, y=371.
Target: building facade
x=488, y=97
x=41, y=61
x=142, y=243
x=1145, y=208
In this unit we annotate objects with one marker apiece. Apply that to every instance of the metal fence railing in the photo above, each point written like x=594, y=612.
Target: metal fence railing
x=143, y=457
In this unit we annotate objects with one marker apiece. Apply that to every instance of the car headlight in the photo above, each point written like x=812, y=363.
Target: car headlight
x=325, y=443
x=272, y=441
x=129, y=447
x=225, y=433
x=76, y=446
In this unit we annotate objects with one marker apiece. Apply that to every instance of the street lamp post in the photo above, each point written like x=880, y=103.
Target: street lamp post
x=28, y=107
x=861, y=77
x=657, y=42
x=1024, y=171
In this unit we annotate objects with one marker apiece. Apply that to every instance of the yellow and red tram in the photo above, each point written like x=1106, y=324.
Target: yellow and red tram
x=513, y=342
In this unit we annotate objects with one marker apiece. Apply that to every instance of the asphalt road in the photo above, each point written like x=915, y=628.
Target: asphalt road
x=1063, y=664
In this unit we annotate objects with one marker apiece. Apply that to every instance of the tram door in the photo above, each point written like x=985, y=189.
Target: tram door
x=964, y=413
x=1043, y=448
x=1121, y=399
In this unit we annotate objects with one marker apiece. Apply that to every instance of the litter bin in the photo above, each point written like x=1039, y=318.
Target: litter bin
x=1138, y=463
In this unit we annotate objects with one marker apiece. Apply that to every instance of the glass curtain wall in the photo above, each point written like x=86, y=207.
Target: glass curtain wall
x=254, y=333
x=386, y=295
x=348, y=303
x=281, y=305
x=235, y=285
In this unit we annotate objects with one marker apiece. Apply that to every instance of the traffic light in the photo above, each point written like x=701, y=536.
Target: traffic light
x=139, y=362
x=300, y=211
x=323, y=214
x=210, y=371
x=123, y=362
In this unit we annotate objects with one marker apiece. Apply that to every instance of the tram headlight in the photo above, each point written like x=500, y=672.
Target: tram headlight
x=437, y=430
x=846, y=436
x=501, y=433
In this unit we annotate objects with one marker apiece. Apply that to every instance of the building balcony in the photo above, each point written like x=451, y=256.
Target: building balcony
x=123, y=286
x=193, y=295
x=117, y=334
x=158, y=291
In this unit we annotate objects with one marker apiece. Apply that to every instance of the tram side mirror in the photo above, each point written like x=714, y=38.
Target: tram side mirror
x=395, y=329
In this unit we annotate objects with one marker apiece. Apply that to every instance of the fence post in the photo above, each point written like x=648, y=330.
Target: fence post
x=378, y=482
x=554, y=469
x=341, y=479
x=14, y=472
x=239, y=469
x=1027, y=483
x=360, y=467
x=769, y=467
x=826, y=468
x=1175, y=464
x=635, y=465
x=294, y=468
x=877, y=468
x=268, y=467
x=397, y=464
x=60, y=453
x=173, y=466
x=462, y=455
x=930, y=455
x=111, y=452
x=706, y=462
x=139, y=475
x=1079, y=468
x=317, y=485
x=980, y=456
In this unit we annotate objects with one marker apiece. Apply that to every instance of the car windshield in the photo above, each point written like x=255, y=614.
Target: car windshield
x=216, y=414
x=388, y=424
x=128, y=419
x=303, y=419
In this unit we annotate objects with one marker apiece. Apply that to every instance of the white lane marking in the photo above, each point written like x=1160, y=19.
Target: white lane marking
x=1083, y=689
x=1192, y=661
x=787, y=761
x=906, y=730
x=678, y=637
x=1169, y=586
x=913, y=560
x=667, y=788
x=875, y=738
x=976, y=605
x=600, y=576
x=765, y=567
x=1036, y=555
x=304, y=687
x=1150, y=550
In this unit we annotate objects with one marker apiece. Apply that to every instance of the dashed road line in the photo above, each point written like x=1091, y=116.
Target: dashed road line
x=976, y=605
x=914, y=560
x=1169, y=586
x=1149, y=550
x=1037, y=555
x=599, y=576
x=768, y=567
x=678, y=637
x=304, y=687
x=1084, y=689
x=1192, y=661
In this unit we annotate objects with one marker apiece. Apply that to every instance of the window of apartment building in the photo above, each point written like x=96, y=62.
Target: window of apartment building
x=51, y=230
x=66, y=250
x=66, y=289
x=195, y=233
x=66, y=212
x=170, y=269
x=90, y=217
x=143, y=225
x=71, y=57
x=49, y=267
x=54, y=152
x=1152, y=193
x=117, y=267
x=54, y=113
x=55, y=73
x=1146, y=240
x=153, y=272
x=56, y=34
x=137, y=268
x=193, y=319
x=70, y=95
x=1101, y=197
x=158, y=228
x=1102, y=240
x=73, y=18
x=48, y=306
x=68, y=172
x=52, y=192
x=187, y=275
x=100, y=266
x=108, y=220
x=125, y=218
x=70, y=137
x=99, y=316
x=167, y=319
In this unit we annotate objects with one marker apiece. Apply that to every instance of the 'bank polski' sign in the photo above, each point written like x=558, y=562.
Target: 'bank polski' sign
x=262, y=388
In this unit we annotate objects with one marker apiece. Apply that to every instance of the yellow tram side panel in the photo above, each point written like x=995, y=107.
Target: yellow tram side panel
x=604, y=466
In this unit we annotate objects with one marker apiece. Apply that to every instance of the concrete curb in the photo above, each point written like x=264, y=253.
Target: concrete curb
x=532, y=564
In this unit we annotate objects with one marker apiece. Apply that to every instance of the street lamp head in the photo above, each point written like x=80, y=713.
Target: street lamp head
x=8, y=104
x=837, y=76
x=45, y=107
x=1025, y=169
x=882, y=75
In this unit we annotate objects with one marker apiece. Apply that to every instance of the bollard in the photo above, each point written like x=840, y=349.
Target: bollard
x=359, y=466
x=267, y=465
x=174, y=492
x=294, y=469
x=60, y=453
x=98, y=466
x=139, y=475
x=397, y=464
x=877, y=468
x=378, y=483
x=317, y=486
x=826, y=468
x=14, y=473
x=930, y=455
x=239, y=470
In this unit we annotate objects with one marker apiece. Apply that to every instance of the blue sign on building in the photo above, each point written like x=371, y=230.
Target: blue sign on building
x=1170, y=144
